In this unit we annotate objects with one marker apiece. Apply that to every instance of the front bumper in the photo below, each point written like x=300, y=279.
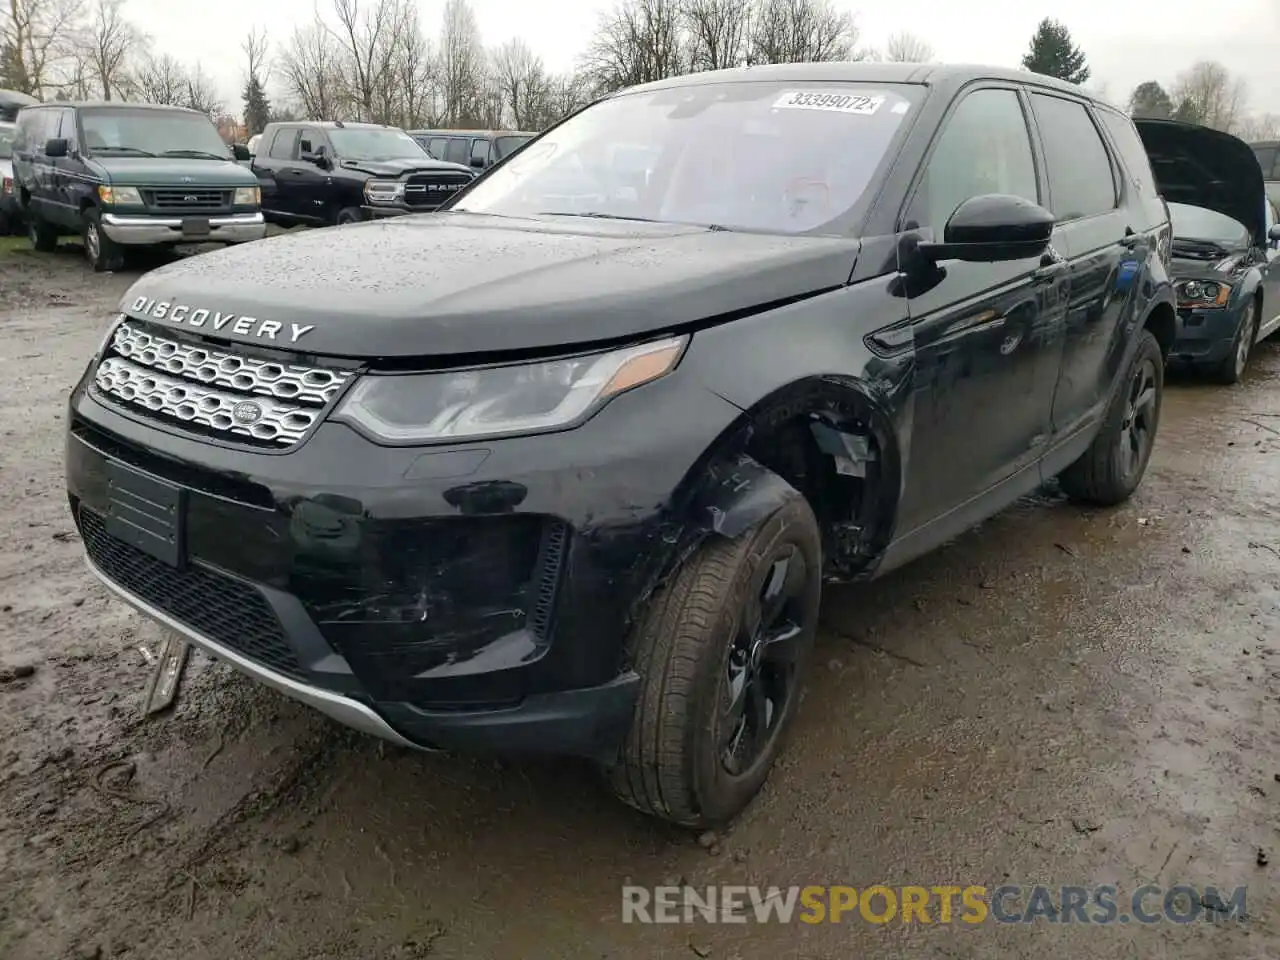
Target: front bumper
x=1204, y=336
x=474, y=597
x=147, y=231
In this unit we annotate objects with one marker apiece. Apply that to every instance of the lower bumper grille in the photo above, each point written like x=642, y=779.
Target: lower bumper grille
x=220, y=607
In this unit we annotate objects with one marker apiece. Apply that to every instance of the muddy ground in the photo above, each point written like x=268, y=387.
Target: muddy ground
x=1063, y=696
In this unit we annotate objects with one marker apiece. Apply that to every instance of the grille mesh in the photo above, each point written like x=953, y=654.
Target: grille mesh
x=213, y=391
x=215, y=605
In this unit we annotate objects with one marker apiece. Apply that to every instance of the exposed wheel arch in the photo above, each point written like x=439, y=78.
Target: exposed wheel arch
x=1162, y=321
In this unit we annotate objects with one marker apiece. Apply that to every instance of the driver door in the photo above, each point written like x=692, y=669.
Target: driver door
x=308, y=182
x=988, y=336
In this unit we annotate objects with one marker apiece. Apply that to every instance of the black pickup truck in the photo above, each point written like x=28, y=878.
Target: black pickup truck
x=336, y=172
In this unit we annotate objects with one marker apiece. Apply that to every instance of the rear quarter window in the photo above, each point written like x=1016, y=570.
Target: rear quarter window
x=1133, y=155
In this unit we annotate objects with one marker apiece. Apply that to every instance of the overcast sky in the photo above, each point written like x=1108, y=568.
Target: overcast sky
x=1126, y=43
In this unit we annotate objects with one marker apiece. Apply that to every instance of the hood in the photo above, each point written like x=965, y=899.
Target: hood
x=1207, y=168
x=396, y=168
x=459, y=283
x=173, y=171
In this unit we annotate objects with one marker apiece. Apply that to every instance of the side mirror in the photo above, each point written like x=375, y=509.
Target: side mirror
x=993, y=227
x=241, y=152
x=57, y=147
x=1274, y=234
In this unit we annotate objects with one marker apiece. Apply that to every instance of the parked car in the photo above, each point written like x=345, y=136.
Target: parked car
x=1268, y=154
x=479, y=149
x=1224, y=260
x=10, y=214
x=568, y=479
x=129, y=175
x=335, y=173
x=11, y=101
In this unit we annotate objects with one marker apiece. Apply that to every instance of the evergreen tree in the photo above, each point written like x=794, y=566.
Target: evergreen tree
x=1052, y=53
x=257, y=109
x=1149, y=100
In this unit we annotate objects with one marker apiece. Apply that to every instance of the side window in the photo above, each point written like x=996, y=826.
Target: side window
x=282, y=145
x=68, y=128
x=984, y=148
x=1081, y=177
x=1267, y=160
x=1133, y=155
x=308, y=141
x=436, y=147
x=456, y=151
x=480, y=152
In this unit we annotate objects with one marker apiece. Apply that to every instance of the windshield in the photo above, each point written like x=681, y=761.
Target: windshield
x=151, y=133
x=375, y=143
x=6, y=140
x=1197, y=223
x=784, y=158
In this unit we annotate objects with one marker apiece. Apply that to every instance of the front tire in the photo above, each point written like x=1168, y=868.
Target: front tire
x=1113, y=466
x=103, y=253
x=722, y=652
x=348, y=215
x=1233, y=365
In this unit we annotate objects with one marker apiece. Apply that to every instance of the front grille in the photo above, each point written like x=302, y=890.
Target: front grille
x=213, y=604
x=429, y=190
x=179, y=200
x=215, y=392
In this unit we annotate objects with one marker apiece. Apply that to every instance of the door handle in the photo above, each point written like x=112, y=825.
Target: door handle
x=1130, y=239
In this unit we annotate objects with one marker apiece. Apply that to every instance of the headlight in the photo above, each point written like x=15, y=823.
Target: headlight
x=120, y=196
x=1204, y=293
x=492, y=401
x=248, y=196
x=384, y=191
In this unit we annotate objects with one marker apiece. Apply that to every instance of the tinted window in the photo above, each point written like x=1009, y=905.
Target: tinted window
x=1081, y=178
x=984, y=148
x=1267, y=157
x=282, y=144
x=1132, y=153
x=308, y=141
x=67, y=128
x=505, y=146
x=456, y=151
x=479, y=151
x=769, y=156
x=436, y=147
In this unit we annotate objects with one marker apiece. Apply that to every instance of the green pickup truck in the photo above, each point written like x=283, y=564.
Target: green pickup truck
x=129, y=175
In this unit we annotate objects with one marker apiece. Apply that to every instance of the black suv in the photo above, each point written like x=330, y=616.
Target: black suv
x=334, y=173
x=480, y=149
x=129, y=175
x=563, y=468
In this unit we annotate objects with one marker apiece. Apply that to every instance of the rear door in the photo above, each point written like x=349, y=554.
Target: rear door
x=1098, y=236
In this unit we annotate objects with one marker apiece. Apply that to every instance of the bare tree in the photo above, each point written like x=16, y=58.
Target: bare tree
x=201, y=93
x=799, y=31
x=718, y=31
x=162, y=79
x=522, y=83
x=408, y=89
x=461, y=65
x=906, y=47
x=637, y=42
x=367, y=32
x=113, y=41
x=1263, y=126
x=566, y=94
x=311, y=69
x=1207, y=93
x=37, y=37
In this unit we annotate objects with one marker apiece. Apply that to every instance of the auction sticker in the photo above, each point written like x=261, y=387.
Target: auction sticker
x=860, y=104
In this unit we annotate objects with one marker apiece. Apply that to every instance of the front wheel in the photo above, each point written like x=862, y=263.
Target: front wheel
x=1113, y=466
x=348, y=215
x=103, y=253
x=1232, y=367
x=721, y=653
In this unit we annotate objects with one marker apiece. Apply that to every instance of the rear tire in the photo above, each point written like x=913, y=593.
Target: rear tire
x=1234, y=364
x=1113, y=466
x=721, y=652
x=43, y=235
x=103, y=253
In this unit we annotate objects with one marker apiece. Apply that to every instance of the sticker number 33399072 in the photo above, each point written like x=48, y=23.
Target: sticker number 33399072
x=856, y=103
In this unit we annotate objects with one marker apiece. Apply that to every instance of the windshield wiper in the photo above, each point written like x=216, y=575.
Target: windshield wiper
x=617, y=216
x=194, y=153
x=133, y=150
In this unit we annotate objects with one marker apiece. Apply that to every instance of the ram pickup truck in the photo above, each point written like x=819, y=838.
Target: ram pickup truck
x=336, y=173
x=564, y=467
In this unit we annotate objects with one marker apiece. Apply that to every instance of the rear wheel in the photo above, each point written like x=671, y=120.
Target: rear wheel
x=103, y=253
x=1113, y=466
x=1232, y=367
x=721, y=653
x=43, y=235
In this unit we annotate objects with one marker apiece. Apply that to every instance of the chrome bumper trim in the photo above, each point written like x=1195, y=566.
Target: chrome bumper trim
x=232, y=228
